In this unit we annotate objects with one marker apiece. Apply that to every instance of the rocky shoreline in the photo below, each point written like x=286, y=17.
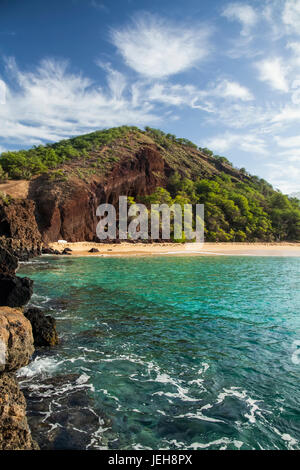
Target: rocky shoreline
x=20, y=330
x=16, y=343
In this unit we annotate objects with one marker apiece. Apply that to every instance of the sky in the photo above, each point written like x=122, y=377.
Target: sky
x=223, y=74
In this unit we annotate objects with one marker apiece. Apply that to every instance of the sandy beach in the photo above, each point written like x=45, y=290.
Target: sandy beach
x=168, y=249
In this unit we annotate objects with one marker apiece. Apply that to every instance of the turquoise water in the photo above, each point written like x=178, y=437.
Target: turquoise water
x=176, y=353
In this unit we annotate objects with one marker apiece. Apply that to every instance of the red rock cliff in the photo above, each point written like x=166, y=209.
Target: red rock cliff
x=67, y=210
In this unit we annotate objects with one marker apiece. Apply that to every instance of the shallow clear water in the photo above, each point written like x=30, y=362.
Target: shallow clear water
x=192, y=352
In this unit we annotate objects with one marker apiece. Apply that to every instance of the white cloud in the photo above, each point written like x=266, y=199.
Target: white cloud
x=292, y=155
x=295, y=48
x=287, y=114
x=243, y=13
x=244, y=142
x=116, y=81
x=230, y=89
x=2, y=92
x=288, y=142
x=176, y=95
x=274, y=72
x=291, y=15
x=51, y=103
x=284, y=176
x=99, y=6
x=207, y=99
x=156, y=48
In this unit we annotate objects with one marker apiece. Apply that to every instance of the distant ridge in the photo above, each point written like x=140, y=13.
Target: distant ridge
x=69, y=179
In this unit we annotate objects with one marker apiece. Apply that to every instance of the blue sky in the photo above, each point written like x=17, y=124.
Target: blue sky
x=224, y=74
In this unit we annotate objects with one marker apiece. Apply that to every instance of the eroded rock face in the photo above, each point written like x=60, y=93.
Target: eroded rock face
x=14, y=430
x=15, y=291
x=19, y=232
x=16, y=349
x=8, y=262
x=67, y=210
x=43, y=327
x=16, y=340
x=19, y=238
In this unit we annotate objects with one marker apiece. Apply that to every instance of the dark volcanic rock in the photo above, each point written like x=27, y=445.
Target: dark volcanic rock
x=15, y=291
x=43, y=327
x=50, y=251
x=66, y=252
x=94, y=250
x=14, y=430
x=66, y=417
x=8, y=262
x=19, y=232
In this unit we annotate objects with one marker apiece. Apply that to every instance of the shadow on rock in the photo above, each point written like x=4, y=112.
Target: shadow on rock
x=61, y=413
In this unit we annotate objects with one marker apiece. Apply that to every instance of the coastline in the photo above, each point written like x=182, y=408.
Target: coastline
x=176, y=249
x=214, y=306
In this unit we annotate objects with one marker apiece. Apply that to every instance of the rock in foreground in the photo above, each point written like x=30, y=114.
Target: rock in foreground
x=19, y=232
x=43, y=327
x=8, y=262
x=15, y=291
x=16, y=348
x=14, y=430
x=16, y=340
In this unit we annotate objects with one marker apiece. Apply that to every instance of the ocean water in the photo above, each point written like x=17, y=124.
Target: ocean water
x=167, y=353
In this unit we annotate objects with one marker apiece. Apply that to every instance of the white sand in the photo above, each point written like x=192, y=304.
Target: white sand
x=169, y=249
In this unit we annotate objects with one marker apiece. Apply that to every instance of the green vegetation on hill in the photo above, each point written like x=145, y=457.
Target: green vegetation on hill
x=24, y=164
x=166, y=140
x=235, y=211
x=238, y=206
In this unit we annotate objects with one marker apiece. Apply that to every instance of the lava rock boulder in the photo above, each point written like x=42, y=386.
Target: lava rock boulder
x=43, y=327
x=8, y=262
x=15, y=291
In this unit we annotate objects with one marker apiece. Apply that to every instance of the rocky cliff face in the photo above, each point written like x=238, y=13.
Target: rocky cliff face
x=16, y=348
x=19, y=232
x=14, y=291
x=96, y=168
x=16, y=339
x=14, y=430
x=67, y=209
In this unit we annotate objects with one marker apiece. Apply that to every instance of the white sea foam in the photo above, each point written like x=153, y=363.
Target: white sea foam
x=140, y=447
x=224, y=442
x=106, y=392
x=200, y=380
x=181, y=393
x=84, y=378
x=124, y=357
x=166, y=379
x=199, y=415
x=39, y=300
x=290, y=441
x=36, y=262
x=96, y=441
x=242, y=395
x=40, y=365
